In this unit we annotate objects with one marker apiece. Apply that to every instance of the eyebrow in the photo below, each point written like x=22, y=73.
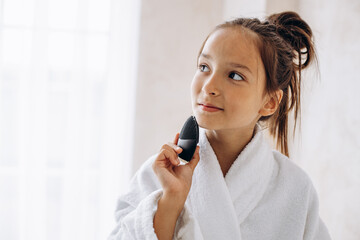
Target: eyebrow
x=236, y=65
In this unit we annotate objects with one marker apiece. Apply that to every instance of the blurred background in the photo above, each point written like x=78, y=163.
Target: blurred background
x=90, y=89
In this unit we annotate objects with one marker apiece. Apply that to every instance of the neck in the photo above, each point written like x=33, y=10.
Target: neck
x=228, y=144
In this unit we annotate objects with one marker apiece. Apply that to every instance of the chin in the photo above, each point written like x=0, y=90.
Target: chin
x=204, y=121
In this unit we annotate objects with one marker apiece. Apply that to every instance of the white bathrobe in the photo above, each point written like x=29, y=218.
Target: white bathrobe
x=263, y=196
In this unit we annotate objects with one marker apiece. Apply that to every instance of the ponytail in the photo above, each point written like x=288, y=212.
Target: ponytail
x=298, y=36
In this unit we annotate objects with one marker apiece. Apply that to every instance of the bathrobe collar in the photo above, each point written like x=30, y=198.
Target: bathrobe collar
x=222, y=203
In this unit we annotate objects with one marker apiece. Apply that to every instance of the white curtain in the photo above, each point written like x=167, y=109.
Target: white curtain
x=67, y=82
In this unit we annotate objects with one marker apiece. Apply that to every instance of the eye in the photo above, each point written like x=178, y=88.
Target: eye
x=236, y=76
x=201, y=67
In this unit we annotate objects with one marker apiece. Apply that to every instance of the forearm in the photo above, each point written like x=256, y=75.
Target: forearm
x=168, y=211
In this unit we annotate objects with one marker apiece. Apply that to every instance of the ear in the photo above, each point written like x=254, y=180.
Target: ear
x=271, y=104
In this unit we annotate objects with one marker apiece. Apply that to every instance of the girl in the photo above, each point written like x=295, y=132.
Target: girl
x=248, y=73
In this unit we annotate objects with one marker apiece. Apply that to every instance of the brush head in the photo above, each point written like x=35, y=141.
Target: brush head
x=189, y=138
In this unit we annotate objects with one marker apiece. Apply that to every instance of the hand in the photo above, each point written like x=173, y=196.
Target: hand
x=175, y=179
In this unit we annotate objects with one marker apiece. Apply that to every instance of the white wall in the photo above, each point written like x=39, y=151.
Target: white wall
x=330, y=146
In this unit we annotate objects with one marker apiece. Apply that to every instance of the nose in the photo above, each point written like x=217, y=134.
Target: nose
x=212, y=85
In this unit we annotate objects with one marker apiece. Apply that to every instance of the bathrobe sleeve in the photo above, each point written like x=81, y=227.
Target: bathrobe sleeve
x=315, y=228
x=135, y=210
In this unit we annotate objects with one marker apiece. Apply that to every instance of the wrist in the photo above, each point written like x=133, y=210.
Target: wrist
x=173, y=202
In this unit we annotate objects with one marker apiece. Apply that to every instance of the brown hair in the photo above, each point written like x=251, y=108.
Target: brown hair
x=286, y=47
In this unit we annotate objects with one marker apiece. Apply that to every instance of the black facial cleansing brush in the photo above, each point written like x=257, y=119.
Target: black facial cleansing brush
x=188, y=138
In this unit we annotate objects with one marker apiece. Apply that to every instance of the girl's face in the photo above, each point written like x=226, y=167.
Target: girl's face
x=230, y=76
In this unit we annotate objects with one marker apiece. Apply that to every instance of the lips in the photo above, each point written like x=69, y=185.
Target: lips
x=209, y=105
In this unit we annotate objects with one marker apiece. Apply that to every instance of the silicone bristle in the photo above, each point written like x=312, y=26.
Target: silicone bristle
x=190, y=129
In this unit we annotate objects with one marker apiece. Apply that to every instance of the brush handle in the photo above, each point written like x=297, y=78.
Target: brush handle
x=188, y=146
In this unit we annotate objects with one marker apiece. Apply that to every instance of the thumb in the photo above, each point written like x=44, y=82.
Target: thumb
x=195, y=160
x=176, y=139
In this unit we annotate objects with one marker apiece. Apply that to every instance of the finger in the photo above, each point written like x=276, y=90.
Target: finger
x=173, y=149
x=169, y=155
x=174, y=144
x=177, y=150
x=176, y=138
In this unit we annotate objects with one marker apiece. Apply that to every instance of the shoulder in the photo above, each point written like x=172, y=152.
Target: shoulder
x=145, y=174
x=143, y=183
x=290, y=178
x=146, y=167
x=301, y=198
x=290, y=191
x=287, y=170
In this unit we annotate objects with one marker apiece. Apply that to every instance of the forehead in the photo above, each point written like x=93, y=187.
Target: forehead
x=234, y=45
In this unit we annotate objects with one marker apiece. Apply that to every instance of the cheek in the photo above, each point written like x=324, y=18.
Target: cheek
x=195, y=87
x=242, y=103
